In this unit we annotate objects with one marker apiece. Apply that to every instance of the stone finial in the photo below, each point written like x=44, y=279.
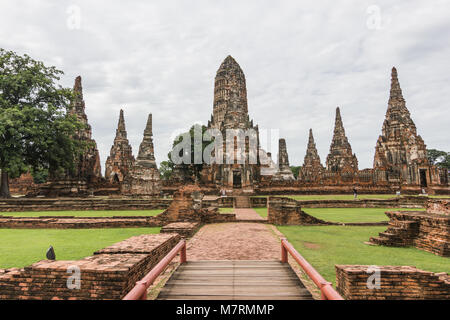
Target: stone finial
x=121, y=125
x=396, y=91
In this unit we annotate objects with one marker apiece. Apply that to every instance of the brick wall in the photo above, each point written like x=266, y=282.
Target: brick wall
x=81, y=204
x=429, y=231
x=286, y=211
x=396, y=283
x=109, y=274
x=78, y=222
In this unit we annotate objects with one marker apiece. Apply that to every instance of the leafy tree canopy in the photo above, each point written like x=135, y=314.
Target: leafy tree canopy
x=35, y=128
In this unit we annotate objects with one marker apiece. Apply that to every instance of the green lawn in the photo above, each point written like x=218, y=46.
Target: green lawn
x=226, y=210
x=22, y=247
x=324, y=247
x=346, y=215
x=91, y=213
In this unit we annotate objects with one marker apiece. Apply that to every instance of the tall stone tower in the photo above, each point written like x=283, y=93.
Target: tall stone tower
x=400, y=151
x=230, y=112
x=284, y=170
x=144, y=178
x=312, y=167
x=87, y=166
x=230, y=107
x=121, y=157
x=341, y=157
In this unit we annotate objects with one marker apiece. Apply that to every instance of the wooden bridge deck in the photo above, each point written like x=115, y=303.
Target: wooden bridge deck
x=234, y=280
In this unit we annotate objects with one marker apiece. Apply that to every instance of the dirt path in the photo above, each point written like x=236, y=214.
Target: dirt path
x=234, y=241
x=248, y=214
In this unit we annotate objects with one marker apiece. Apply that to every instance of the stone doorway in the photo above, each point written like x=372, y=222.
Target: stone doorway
x=237, y=180
x=423, y=178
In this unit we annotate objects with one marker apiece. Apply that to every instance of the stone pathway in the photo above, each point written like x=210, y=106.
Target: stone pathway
x=248, y=214
x=234, y=241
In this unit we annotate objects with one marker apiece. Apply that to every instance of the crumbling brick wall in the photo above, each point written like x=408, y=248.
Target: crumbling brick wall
x=395, y=283
x=109, y=274
x=429, y=231
x=286, y=211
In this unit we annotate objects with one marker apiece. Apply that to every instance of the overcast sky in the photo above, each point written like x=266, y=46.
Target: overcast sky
x=301, y=61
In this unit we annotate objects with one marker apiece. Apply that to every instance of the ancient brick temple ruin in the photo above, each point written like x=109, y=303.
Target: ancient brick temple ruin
x=341, y=157
x=87, y=168
x=312, y=168
x=121, y=158
x=88, y=165
x=144, y=178
x=284, y=172
x=230, y=111
x=400, y=151
x=429, y=231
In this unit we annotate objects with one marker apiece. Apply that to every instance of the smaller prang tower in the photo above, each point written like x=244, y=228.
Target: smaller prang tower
x=120, y=159
x=341, y=158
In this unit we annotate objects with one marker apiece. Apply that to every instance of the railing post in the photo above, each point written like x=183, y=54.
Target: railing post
x=144, y=294
x=284, y=253
x=183, y=258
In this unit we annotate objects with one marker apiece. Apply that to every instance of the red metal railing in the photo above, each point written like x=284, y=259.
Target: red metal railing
x=139, y=292
x=326, y=288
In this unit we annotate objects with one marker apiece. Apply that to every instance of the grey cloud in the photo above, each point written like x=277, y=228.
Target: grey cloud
x=301, y=60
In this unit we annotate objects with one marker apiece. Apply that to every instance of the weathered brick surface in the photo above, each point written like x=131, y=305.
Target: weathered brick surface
x=81, y=204
x=109, y=274
x=424, y=230
x=184, y=229
x=78, y=223
x=396, y=283
x=286, y=211
x=187, y=207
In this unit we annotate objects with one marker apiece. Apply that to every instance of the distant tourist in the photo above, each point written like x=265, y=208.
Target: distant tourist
x=224, y=193
x=355, y=193
x=398, y=193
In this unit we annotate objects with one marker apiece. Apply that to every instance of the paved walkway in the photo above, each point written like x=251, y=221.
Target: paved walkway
x=234, y=241
x=248, y=214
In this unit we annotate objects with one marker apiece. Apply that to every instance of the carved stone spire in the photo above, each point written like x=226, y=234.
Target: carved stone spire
x=284, y=170
x=88, y=165
x=341, y=157
x=312, y=168
x=144, y=178
x=399, y=146
x=146, y=155
x=121, y=157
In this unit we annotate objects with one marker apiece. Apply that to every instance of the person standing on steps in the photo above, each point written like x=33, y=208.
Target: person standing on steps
x=355, y=193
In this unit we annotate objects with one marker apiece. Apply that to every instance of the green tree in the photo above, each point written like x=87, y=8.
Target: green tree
x=35, y=128
x=296, y=170
x=165, y=170
x=189, y=170
x=439, y=158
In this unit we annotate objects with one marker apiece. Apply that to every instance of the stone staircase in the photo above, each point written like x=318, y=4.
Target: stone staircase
x=399, y=234
x=242, y=202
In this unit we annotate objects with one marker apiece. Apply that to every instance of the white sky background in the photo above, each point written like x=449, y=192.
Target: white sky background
x=301, y=61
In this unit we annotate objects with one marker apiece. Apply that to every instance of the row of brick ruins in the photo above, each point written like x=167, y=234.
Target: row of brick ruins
x=400, y=160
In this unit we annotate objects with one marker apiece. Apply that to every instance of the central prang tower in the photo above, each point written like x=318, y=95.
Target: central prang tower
x=230, y=111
